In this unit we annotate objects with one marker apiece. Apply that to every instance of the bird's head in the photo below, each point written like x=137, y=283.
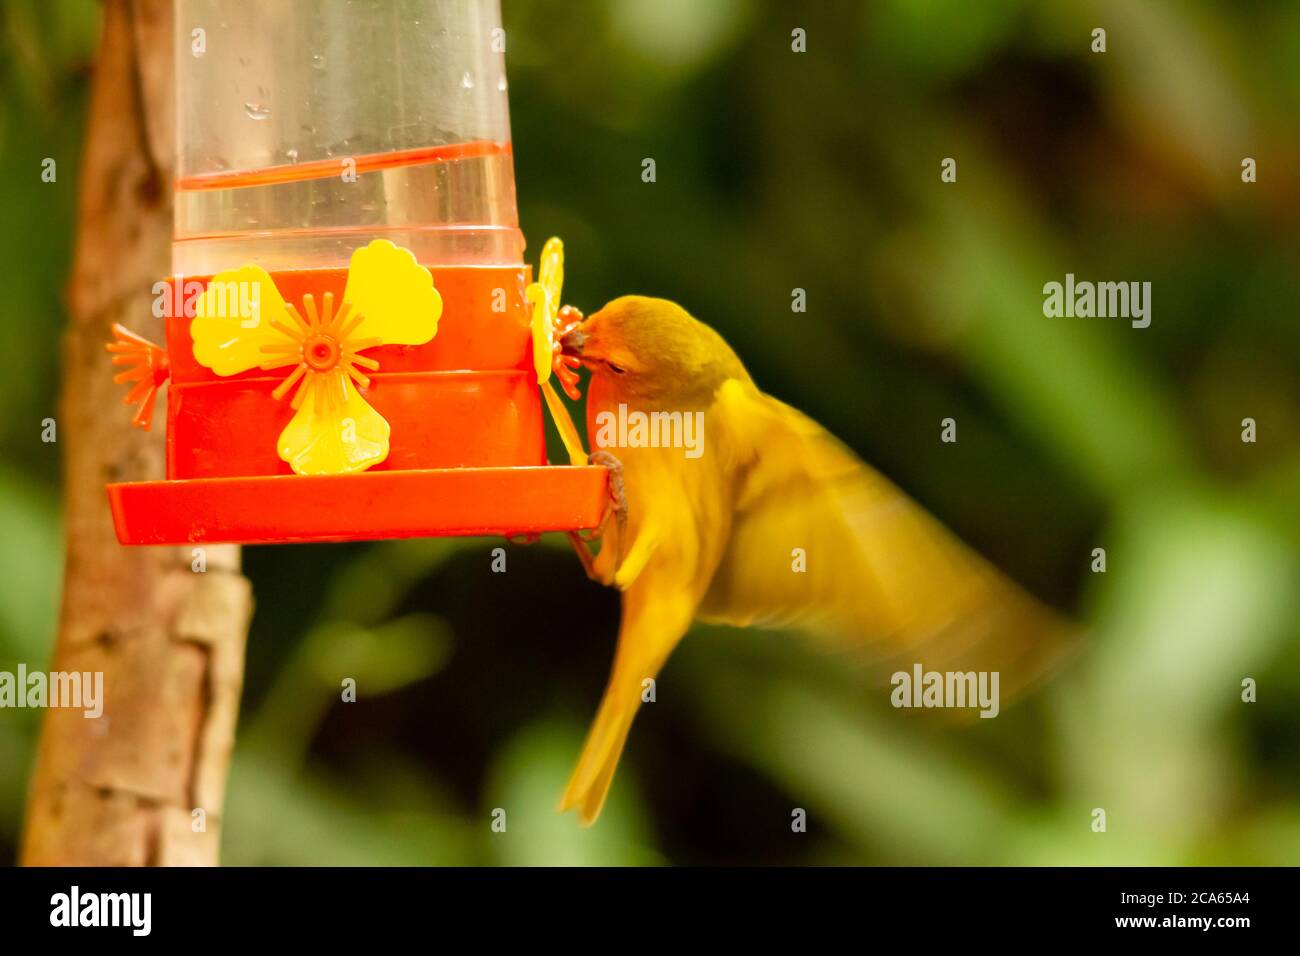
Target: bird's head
x=653, y=350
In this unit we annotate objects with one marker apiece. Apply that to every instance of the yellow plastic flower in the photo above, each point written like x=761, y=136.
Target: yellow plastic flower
x=243, y=322
x=544, y=296
x=551, y=321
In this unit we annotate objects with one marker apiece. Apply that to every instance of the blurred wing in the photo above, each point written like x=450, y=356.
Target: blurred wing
x=878, y=571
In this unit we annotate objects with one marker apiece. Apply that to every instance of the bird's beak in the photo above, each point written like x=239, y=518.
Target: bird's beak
x=574, y=341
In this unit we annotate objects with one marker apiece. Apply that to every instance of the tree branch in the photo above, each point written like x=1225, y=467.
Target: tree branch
x=122, y=789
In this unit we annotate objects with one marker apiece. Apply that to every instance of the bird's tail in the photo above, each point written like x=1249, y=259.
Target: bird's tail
x=589, y=784
x=651, y=628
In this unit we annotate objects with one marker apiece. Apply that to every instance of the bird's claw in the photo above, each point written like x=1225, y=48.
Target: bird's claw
x=617, y=490
x=608, y=549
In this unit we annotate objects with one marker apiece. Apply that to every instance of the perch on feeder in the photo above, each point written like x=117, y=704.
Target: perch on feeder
x=353, y=347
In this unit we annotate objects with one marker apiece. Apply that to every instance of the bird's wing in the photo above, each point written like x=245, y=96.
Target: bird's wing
x=877, y=570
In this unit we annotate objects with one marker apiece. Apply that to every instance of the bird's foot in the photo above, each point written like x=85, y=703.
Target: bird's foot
x=602, y=569
x=617, y=490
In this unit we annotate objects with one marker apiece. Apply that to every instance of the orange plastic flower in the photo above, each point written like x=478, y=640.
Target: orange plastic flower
x=148, y=370
x=552, y=321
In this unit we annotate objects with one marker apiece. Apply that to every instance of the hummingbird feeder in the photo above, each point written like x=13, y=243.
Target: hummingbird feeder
x=354, y=348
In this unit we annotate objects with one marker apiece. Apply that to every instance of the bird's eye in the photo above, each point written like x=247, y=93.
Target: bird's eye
x=616, y=369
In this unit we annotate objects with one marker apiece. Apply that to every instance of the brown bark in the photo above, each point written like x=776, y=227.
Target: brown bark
x=121, y=789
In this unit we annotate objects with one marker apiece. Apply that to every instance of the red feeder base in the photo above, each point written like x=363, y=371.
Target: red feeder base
x=281, y=509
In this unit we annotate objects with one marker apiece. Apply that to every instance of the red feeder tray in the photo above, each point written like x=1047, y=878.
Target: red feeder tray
x=358, y=507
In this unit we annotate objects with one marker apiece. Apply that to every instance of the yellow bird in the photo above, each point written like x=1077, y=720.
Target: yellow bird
x=716, y=532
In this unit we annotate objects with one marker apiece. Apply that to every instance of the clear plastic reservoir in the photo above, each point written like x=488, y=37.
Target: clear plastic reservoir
x=307, y=128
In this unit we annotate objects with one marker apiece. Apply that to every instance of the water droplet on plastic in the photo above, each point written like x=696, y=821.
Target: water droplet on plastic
x=317, y=61
x=256, y=111
x=466, y=81
x=292, y=155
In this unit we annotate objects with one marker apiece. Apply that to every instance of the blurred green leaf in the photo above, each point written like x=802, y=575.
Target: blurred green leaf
x=279, y=818
x=937, y=39
x=526, y=782
x=31, y=563
x=678, y=35
x=1196, y=597
x=884, y=789
x=380, y=659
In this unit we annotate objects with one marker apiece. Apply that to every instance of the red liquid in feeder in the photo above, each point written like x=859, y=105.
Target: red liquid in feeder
x=450, y=205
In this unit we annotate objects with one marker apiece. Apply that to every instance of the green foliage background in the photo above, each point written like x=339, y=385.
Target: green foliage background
x=819, y=171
